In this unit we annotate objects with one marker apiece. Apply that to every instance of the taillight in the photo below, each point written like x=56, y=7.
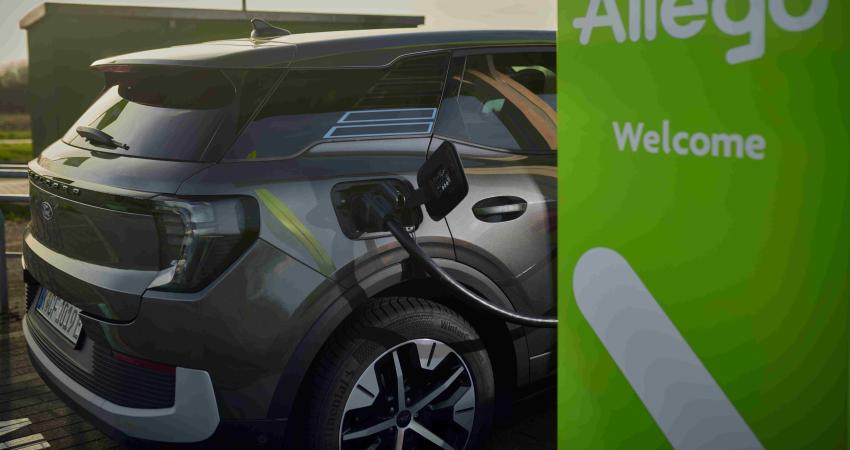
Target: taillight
x=200, y=239
x=147, y=364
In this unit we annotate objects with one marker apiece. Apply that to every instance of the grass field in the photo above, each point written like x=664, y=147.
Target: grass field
x=15, y=134
x=17, y=127
x=16, y=152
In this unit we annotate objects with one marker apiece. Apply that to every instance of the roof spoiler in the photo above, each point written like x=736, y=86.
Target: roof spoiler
x=234, y=54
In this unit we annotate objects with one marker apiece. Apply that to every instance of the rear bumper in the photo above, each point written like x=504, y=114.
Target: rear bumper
x=242, y=330
x=193, y=417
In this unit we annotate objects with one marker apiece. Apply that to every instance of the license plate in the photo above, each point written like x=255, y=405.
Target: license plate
x=64, y=316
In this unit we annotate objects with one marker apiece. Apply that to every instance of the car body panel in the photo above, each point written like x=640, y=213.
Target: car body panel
x=526, y=271
x=111, y=173
x=295, y=198
x=100, y=291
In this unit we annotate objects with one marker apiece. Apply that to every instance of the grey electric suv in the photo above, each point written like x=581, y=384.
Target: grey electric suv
x=193, y=274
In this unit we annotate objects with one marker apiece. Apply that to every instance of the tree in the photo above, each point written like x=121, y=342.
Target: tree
x=13, y=88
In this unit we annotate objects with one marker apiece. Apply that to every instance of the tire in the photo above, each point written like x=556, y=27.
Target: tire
x=388, y=335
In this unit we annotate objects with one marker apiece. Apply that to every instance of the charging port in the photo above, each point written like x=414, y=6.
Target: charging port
x=360, y=220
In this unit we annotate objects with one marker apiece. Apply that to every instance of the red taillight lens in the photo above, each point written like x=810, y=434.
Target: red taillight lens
x=159, y=367
x=114, y=68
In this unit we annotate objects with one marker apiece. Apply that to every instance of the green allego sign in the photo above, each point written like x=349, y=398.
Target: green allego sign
x=704, y=222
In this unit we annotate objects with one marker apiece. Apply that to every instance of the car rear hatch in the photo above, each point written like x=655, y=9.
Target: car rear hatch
x=105, y=223
x=91, y=240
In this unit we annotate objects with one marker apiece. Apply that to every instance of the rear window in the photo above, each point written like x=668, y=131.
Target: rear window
x=172, y=114
x=310, y=106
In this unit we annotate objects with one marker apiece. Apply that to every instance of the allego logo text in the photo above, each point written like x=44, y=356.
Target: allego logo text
x=683, y=20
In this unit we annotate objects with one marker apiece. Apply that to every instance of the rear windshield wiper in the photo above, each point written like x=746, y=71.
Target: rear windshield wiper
x=95, y=136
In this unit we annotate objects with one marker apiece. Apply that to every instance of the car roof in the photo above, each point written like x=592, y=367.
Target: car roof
x=330, y=49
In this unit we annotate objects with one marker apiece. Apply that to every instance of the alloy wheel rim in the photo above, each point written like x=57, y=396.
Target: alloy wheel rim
x=418, y=394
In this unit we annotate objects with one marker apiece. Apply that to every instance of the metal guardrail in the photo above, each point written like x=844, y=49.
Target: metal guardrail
x=13, y=170
x=8, y=171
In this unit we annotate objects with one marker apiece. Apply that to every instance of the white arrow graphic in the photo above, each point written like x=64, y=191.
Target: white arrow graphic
x=676, y=388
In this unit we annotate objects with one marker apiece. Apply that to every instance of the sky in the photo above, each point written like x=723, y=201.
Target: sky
x=537, y=14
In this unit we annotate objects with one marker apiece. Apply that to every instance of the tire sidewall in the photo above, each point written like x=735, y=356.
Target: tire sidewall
x=370, y=338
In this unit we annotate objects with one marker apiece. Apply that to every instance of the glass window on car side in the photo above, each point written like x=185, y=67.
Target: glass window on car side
x=503, y=100
x=315, y=105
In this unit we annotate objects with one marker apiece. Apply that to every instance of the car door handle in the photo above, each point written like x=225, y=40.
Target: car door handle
x=499, y=209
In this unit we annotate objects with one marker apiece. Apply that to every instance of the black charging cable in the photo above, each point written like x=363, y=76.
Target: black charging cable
x=383, y=205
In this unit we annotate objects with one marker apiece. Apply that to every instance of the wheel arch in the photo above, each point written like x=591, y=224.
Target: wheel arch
x=510, y=368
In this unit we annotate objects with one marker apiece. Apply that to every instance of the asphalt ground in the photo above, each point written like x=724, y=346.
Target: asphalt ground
x=32, y=416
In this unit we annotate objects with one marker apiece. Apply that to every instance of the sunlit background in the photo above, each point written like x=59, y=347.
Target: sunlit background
x=536, y=14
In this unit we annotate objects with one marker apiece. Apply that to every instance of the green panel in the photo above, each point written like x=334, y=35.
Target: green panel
x=748, y=256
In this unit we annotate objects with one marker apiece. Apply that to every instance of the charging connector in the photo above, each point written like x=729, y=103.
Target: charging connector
x=373, y=207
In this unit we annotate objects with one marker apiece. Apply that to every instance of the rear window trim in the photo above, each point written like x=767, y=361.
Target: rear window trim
x=262, y=104
x=523, y=48
x=310, y=147
x=545, y=152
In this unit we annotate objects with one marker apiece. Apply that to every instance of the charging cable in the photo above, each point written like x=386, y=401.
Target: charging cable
x=381, y=206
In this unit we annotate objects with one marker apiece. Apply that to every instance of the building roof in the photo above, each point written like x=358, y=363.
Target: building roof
x=69, y=9
x=359, y=48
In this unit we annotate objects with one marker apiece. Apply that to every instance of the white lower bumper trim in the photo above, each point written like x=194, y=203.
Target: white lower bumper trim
x=194, y=416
